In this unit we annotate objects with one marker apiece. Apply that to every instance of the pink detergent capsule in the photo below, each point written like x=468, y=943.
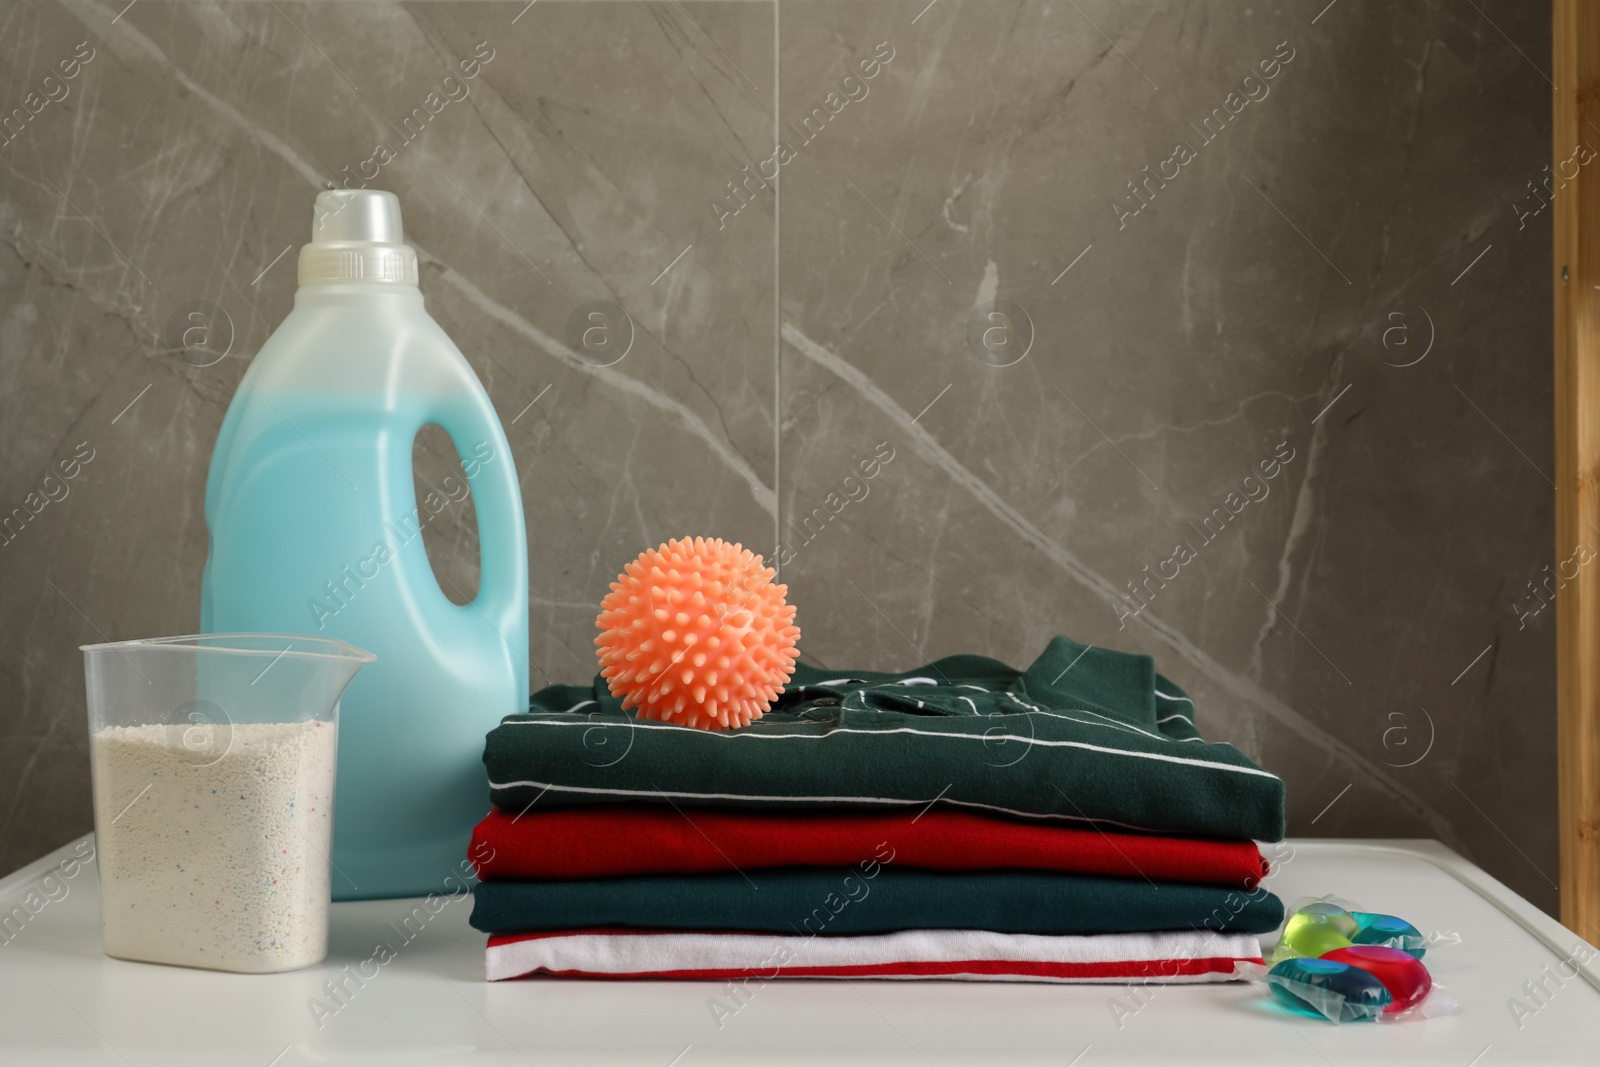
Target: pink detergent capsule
x=1406, y=979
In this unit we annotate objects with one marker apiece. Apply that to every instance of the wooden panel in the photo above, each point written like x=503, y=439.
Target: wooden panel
x=1576, y=121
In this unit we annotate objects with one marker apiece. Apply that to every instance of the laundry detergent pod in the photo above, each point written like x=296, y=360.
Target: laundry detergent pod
x=1389, y=930
x=1336, y=991
x=1319, y=928
x=1333, y=915
x=1406, y=979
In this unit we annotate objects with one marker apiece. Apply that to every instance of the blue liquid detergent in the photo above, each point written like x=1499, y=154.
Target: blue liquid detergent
x=316, y=528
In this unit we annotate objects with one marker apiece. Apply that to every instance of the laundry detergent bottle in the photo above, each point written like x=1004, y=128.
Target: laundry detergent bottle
x=316, y=528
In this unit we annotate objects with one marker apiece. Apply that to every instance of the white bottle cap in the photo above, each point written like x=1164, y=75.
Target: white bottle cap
x=356, y=236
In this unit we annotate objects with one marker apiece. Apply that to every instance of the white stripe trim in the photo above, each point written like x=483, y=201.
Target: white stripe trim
x=896, y=801
x=635, y=724
x=1030, y=709
x=1111, y=724
x=1169, y=696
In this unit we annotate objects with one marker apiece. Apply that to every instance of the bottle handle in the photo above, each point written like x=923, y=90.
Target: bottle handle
x=480, y=441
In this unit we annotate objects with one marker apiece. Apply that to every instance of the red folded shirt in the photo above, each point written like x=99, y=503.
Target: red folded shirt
x=623, y=839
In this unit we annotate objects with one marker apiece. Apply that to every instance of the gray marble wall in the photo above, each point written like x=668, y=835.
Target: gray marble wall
x=1245, y=307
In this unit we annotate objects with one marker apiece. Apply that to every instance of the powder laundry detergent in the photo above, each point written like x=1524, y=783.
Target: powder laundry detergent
x=215, y=859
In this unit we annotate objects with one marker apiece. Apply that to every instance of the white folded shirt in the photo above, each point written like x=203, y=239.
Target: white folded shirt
x=966, y=955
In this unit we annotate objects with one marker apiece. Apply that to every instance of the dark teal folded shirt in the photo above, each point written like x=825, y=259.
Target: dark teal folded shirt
x=872, y=900
x=1083, y=735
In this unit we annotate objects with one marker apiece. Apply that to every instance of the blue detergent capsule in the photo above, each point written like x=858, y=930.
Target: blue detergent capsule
x=1375, y=929
x=1335, y=991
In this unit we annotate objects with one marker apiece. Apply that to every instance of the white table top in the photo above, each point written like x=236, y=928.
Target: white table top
x=62, y=1002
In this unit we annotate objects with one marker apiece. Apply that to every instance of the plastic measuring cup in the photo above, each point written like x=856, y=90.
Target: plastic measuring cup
x=213, y=763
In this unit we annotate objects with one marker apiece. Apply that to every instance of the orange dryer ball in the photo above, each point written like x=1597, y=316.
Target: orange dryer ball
x=696, y=633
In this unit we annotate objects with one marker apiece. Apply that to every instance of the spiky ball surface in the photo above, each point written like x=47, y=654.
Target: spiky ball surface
x=695, y=632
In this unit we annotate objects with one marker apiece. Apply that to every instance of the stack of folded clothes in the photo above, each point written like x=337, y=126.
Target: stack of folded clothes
x=965, y=820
